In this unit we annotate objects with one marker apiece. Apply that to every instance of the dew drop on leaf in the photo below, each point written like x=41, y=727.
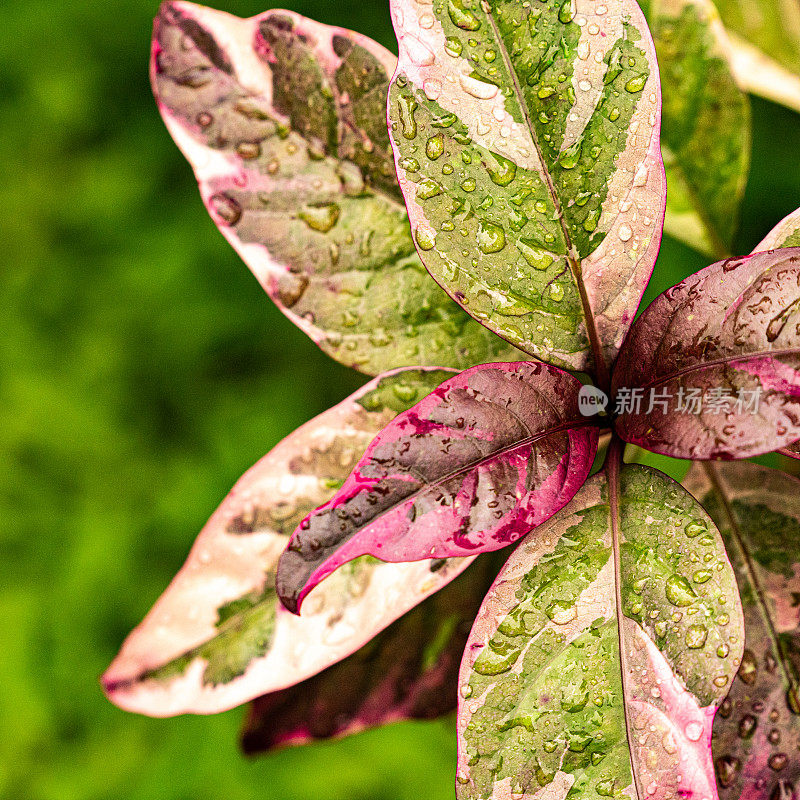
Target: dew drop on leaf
x=425, y=238
x=491, y=237
x=462, y=17
x=678, y=591
x=320, y=217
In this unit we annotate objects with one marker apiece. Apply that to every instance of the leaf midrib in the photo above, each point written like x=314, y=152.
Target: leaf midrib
x=614, y=501
x=749, y=568
x=504, y=451
x=573, y=259
x=722, y=361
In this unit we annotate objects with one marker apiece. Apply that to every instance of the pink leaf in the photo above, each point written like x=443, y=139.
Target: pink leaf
x=728, y=337
x=487, y=456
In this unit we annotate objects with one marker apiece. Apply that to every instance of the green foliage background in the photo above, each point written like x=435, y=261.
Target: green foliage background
x=142, y=370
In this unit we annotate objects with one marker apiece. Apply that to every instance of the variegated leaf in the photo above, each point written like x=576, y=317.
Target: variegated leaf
x=766, y=47
x=219, y=635
x=757, y=730
x=785, y=234
x=705, y=137
x=408, y=671
x=526, y=137
x=601, y=652
x=284, y=122
x=715, y=362
x=474, y=466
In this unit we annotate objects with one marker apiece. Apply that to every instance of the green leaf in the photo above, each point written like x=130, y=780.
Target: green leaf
x=219, y=636
x=526, y=141
x=602, y=650
x=706, y=133
x=284, y=122
x=766, y=47
x=757, y=729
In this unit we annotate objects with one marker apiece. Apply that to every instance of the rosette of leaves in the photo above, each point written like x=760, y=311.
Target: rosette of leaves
x=527, y=144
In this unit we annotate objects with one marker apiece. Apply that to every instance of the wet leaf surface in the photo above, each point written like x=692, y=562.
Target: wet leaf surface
x=757, y=729
x=219, y=636
x=284, y=123
x=602, y=650
x=729, y=336
x=526, y=142
x=474, y=466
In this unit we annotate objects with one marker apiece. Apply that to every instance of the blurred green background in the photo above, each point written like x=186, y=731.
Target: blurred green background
x=142, y=370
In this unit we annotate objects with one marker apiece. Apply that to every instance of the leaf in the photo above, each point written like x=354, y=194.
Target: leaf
x=706, y=134
x=766, y=47
x=526, y=139
x=601, y=652
x=408, y=671
x=734, y=328
x=219, y=636
x=284, y=122
x=757, y=729
x=475, y=465
x=785, y=234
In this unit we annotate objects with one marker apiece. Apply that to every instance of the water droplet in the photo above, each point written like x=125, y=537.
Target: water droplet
x=462, y=17
x=407, y=106
x=702, y=576
x=478, y=89
x=502, y=171
x=747, y=726
x=678, y=591
x=624, y=232
x=561, y=613
x=428, y=188
x=535, y=255
x=566, y=13
x=557, y=292
x=778, y=761
x=434, y=147
x=748, y=669
x=545, y=92
x=321, y=217
x=636, y=84
x=695, y=528
x=569, y=157
x=425, y=238
x=693, y=731
x=491, y=237
x=727, y=767
x=592, y=218
x=226, y=208
x=453, y=46
x=695, y=636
